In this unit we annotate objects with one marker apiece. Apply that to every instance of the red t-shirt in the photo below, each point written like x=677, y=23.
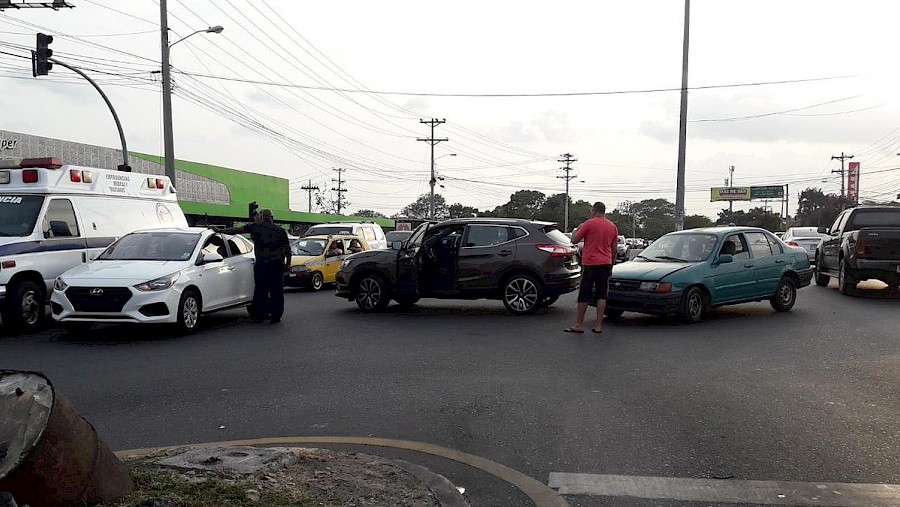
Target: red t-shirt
x=600, y=238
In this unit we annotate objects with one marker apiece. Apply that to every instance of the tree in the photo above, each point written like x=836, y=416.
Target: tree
x=697, y=221
x=422, y=206
x=655, y=217
x=817, y=209
x=525, y=204
x=457, y=210
x=756, y=217
x=368, y=213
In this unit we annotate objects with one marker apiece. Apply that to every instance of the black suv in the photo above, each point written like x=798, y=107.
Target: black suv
x=525, y=264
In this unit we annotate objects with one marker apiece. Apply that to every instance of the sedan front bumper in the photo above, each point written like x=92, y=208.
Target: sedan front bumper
x=144, y=307
x=298, y=279
x=645, y=302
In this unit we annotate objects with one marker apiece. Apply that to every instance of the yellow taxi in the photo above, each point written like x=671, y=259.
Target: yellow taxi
x=316, y=259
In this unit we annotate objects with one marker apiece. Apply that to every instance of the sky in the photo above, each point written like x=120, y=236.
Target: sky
x=298, y=89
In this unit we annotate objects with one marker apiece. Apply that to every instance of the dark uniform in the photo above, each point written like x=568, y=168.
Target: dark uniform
x=272, y=251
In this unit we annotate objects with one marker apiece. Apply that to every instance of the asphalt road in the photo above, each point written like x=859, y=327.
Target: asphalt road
x=811, y=395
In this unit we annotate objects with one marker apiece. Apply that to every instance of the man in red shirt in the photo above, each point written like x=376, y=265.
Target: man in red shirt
x=598, y=256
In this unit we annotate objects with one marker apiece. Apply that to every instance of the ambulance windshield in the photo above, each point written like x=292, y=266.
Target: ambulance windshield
x=19, y=213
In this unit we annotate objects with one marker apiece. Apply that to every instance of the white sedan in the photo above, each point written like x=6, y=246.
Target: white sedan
x=171, y=275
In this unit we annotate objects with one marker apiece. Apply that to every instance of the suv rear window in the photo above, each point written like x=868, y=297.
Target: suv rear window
x=329, y=229
x=876, y=218
x=556, y=235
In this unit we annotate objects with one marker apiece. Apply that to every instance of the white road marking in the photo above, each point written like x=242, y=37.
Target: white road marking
x=824, y=494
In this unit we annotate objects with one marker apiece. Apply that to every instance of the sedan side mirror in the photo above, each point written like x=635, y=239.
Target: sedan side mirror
x=822, y=230
x=396, y=245
x=725, y=259
x=209, y=258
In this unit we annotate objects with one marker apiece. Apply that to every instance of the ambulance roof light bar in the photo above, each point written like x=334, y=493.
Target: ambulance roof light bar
x=28, y=163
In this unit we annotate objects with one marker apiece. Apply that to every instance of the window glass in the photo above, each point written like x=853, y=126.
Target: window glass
x=368, y=233
x=734, y=245
x=152, y=246
x=19, y=214
x=312, y=247
x=556, y=235
x=759, y=245
x=518, y=232
x=775, y=245
x=443, y=238
x=876, y=218
x=215, y=244
x=60, y=220
x=487, y=235
x=838, y=222
x=685, y=247
x=240, y=245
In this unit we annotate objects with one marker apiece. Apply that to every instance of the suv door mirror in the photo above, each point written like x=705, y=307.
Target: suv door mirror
x=725, y=259
x=396, y=245
x=209, y=258
x=822, y=230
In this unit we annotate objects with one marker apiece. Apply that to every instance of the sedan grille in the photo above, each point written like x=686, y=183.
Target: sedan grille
x=98, y=299
x=622, y=284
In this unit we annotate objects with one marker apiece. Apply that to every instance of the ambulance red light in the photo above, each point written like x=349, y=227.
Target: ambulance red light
x=46, y=162
x=160, y=184
x=75, y=176
x=29, y=176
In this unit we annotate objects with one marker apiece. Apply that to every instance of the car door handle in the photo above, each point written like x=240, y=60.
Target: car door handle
x=504, y=253
x=779, y=261
x=748, y=265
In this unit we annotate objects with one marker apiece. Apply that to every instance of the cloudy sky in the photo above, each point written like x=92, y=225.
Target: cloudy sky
x=296, y=89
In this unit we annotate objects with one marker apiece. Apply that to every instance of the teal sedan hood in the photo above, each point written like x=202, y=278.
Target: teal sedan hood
x=647, y=271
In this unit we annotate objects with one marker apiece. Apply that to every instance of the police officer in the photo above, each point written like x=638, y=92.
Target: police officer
x=273, y=259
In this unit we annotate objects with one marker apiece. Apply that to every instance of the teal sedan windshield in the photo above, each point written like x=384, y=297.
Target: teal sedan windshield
x=681, y=248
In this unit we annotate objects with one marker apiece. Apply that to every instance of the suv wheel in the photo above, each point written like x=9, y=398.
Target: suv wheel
x=522, y=294
x=785, y=296
x=372, y=293
x=821, y=278
x=846, y=282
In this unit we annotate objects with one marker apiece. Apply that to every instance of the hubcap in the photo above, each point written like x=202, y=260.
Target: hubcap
x=317, y=281
x=695, y=305
x=369, y=293
x=521, y=294
x=190, y=312
x=787, y=294
x=31, y=310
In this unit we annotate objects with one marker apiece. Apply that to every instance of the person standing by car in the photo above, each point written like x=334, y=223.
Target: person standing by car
x=273, y=259
x=598, y=256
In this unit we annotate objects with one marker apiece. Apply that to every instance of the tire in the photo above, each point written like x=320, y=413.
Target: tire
x=25, y=309
x=548, y=301
x=316, y=281
x=846, y=282
x=785, y=295
x=821, y=278
x=77, y=328
x=613, y=313
x=189, y=309
x=250, y=310
x=521, y=294
x=693, y=305
x=407, y=301
x=372, y=293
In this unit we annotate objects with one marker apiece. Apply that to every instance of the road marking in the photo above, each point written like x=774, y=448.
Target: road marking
x=541, y=495
x=824, y=494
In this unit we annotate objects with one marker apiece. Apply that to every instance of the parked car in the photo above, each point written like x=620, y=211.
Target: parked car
x=526, y=264
x=392, y=236
x=315, y=261
x=55, y=216
x=807, y=238
x=370, y=231
x=172, y=275
x=863, y=243
x=688, y=272
x=622, y=249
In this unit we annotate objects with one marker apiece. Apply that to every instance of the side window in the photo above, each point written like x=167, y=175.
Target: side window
x=517, y=232
x=838, y=223
x=759, y=245
x=379, y=233
x=238, y=245
x=60, y=222
x=774, y=245
x=487, y=235
x=735, y=246
x=443, y=238
x=368, y=233
x=215, y=244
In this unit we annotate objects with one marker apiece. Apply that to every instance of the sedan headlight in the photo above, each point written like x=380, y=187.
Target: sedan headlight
x=656, y=287
x=60, y=285
x=161, y=283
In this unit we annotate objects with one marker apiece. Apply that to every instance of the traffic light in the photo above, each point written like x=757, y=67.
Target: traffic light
x=40, y=63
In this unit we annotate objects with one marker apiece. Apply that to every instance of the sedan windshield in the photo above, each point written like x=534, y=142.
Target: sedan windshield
x=19, y=213
x=152, y=246
x=312, y=247
x=681, y=248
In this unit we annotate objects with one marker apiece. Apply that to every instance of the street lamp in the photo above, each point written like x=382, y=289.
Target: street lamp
x=168, y=135
x=432, y=182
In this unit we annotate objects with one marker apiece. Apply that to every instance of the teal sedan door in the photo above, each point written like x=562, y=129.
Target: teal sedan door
x=767, y=266
x=734, y=280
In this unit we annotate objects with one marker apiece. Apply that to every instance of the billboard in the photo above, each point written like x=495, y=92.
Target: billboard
x=769, y=192
x=729, y=194
x=853, y=182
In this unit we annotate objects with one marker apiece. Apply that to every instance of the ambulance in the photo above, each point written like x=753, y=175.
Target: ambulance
x=55, y=216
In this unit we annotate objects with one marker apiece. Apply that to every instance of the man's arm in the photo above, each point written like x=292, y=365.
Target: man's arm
x=244, y=229
x=579, y=234
x=286, y=247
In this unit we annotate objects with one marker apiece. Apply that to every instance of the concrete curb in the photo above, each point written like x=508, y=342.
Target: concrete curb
x=444, y=491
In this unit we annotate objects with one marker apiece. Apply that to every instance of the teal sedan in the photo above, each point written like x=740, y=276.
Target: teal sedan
x=686, y=273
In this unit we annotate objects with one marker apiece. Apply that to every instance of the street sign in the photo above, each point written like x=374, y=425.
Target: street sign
x=729, y=194
x=770, y=192
x=853, y=182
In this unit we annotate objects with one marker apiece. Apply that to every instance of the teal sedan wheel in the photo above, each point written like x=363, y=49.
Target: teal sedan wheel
x=693, y=305
x=785, y=296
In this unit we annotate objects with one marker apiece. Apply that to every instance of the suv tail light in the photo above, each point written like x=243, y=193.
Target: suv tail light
x=557, y=250
x=792, y=243
x=860, y=247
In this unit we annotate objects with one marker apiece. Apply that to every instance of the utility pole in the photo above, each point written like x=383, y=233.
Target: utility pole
x=340, y=188
x=682, y=127
x=730, y=182
x=567, y=158
x=309, y=190
x=168, y=136
x=434, y=122
x=843, y=181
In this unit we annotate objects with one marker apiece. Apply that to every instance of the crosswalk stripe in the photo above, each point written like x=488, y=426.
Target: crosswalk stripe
x=822, y=494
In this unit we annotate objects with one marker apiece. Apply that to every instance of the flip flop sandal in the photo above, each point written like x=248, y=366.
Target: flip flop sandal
x=573, y=330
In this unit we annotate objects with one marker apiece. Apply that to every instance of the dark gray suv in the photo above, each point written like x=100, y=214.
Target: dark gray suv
x=525, y=264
